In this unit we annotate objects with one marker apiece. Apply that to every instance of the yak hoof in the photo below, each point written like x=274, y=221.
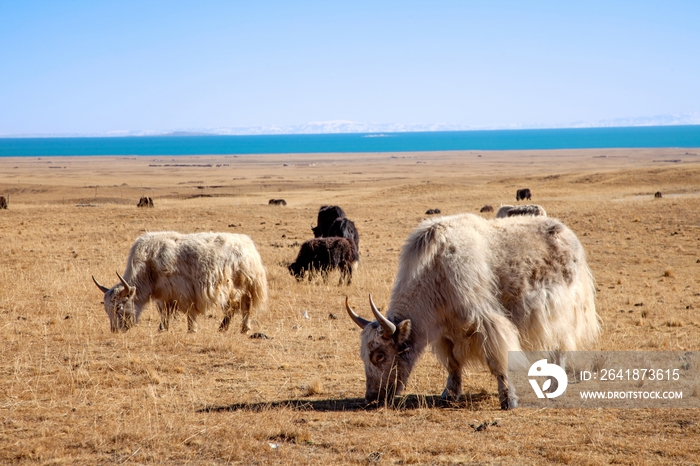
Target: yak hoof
x=508, y=402
x=224, y=324
x=448, y=395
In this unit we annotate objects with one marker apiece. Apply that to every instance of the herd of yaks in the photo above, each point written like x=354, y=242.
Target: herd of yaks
x=470, y=287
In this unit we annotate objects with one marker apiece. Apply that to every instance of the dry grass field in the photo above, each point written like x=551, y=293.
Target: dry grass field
x=71, y=392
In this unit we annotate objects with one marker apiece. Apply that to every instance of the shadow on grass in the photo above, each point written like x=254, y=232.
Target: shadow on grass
x=409, y=402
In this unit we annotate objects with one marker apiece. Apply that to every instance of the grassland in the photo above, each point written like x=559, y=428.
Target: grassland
x=71, y=392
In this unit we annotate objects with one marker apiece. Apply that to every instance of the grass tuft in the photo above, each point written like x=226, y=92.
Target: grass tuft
x=315, y=387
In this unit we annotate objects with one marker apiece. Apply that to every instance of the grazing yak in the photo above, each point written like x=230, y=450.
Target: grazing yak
x=522, y=194
x=145, y=202
x=4, y=202
x=277, y=202
x=323, y=255
x=658, y=195
x=486, y=208
x=190, y=274
x=476, y=289
x=527, y=209
x=432, y=211
x=327, y=214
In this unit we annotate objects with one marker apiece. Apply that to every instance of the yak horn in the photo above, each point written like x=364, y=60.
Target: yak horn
x=127, y=287
x=387, y=325
x=362, y=323
x=102, y=288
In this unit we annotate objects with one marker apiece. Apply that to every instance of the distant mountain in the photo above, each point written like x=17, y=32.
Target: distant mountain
x=342, y=126
x=347, y=126
x=674, y=119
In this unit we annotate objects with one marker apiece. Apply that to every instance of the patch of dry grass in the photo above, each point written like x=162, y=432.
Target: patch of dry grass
x=72, y=392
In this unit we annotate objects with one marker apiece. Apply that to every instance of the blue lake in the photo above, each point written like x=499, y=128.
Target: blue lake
x=579, y=138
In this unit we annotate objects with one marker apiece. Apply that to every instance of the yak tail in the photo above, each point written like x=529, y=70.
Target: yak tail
x=587, y=320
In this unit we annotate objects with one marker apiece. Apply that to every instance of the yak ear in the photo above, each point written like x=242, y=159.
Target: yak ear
x=403, y=330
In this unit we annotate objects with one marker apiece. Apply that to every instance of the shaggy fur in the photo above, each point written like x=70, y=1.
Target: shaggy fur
x=527, y=209
x=190, y=274
x=475, y=289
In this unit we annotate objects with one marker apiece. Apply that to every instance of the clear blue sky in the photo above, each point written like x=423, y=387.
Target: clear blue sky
x=97, y=66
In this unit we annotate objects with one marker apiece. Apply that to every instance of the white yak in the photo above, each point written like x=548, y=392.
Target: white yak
x=188, y=273
x=476, y=289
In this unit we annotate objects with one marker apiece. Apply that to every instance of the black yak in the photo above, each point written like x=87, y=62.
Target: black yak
x=323, y=255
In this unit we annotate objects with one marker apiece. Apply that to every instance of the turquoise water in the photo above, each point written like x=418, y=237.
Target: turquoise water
x=579, y=138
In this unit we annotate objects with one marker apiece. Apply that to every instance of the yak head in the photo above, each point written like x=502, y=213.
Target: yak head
x=297, y=271
x=386, y=351
x=119, y=304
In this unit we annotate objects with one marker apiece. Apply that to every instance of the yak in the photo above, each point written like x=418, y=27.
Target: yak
x=4, y=202
x=145, y=202
x=486, y=208
x=189, y=273
x=327, y=214
x=323, y=255
x=476, y=289
x=277, y=202
x=526, y=209
x=522, y=194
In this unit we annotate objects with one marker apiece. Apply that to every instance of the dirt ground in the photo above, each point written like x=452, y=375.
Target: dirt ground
x=71, y=392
